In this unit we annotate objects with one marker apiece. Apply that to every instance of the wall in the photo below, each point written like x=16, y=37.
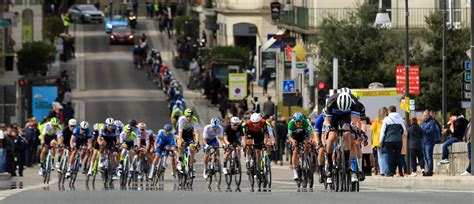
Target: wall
x=243, y=4
x=458, y=159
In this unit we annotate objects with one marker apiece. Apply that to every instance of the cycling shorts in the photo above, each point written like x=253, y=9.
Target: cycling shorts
x=79, y=142
x=338, y=121
x=48, y=139
x=213, y=143
x=129, y=144
x=110, y=141
x=161, y=150
x=188, y=136
x=257, y=138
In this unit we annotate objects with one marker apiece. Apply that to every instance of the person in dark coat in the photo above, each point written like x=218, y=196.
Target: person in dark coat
x=415, y=134
x=457, y=135
x=20, y=147
x=216, y=87
x=31, y=134
x=223, y=104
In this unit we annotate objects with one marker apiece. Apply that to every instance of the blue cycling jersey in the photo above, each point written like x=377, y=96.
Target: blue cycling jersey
x=82, y=134
x=162, y=139
x=318, y=125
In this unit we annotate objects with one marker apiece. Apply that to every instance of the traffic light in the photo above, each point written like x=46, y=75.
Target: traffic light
x=322, y=93
x=22, y=82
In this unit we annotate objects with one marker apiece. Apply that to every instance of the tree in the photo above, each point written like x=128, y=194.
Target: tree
x=366, y=54
x=429, y=58
x=228, y=52
x=35, y=57
x=178, y=25
x=52, y=27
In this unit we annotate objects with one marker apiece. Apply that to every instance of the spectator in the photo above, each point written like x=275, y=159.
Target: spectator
x=20, y=147
x=457, y=133
x=67, y=98
x=468, y=141
x=256, y=105
x=193, y=73
x=266, y=76
x=403, y=168
x=416, y=151
x=10, y=156
x=269, y=107
x=367, y=156
x=223, y=104
x=299, y=98
x=391, y=133
x=282, y=131
x=216, y=87
x=68, y=112
x=379, y=154
x=31, y=136
x=3, y=150
x=430, y=134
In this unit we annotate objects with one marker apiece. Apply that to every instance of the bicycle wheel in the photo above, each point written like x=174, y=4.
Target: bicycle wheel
x=124, y=175
x=310, y=175
x=218, y=173
x=251, y=174
x=230, y=172
x=210, y=173
x=237, y=171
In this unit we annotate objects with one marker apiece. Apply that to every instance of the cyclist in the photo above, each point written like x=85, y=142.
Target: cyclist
x=210, y=136
x=175, y=115
x=232, y=136
x=143, y=139
x=119, y=125
x=356, y=151
x=81, y=136
x=319, y=139
x=128, y=140
x=148, y=138
x=164, y=142
x=255, y=133
x=51, y=131
x=300, y=131
x=341, y=111
x=188, y=127
x=65, y=139
x=108, y=137
x=96, y=147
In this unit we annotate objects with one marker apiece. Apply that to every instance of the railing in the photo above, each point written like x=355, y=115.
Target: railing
x=297, y=17
x=311, y=18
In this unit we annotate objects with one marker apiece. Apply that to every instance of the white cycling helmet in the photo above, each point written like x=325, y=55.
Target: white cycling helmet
x=84, y=125
x=118, y=123
x=215, y=122
x=141, y=125
x=72, y=122
x=344, y=102
x=345, y=90
x=109, y=121
x=235, y=120
x=255, y=117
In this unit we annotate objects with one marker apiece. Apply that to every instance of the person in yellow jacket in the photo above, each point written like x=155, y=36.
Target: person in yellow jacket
x=375, y=128
x=66, y=22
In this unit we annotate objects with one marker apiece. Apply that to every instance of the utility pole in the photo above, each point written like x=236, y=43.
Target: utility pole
x=443, y=69
x=407, y=91
x=472, y=104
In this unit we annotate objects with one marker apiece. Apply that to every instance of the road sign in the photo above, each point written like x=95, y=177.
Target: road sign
x=5, y=23
x=289, y=86
x=467, y=95
x=467, y=86
x=301, y=65
x=467, y=76
x=237, y=86
x=413, y=79
x=467, y=65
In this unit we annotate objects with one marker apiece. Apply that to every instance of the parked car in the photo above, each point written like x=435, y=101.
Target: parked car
x=121, y=35
x=85, y=13
x=115, y=20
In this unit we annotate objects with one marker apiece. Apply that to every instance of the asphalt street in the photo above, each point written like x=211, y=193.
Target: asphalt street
x=114, y=88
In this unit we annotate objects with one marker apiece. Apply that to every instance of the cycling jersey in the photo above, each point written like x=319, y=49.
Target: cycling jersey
x=144, y=137
x=332, y=109
x=233, y=136
x=81, y=136
x=188, y=128
x=130, y=139
x=318, y=125
x=110, y=137
x=299, y=133
x=255, y=132
x=66, y=135
x=212, y=133
x=176, y=113
x=339, y=117
x=50, y=134
x=163, y=140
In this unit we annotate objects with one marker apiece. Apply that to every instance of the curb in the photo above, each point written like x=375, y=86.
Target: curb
x=5, y=181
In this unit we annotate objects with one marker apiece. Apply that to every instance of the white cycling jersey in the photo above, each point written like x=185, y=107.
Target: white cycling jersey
x=211, y=133
x=48, y=130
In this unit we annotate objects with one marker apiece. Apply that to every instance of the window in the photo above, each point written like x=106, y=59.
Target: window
x=453, y=8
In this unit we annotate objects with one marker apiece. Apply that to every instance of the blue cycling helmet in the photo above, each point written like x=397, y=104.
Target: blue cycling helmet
x=168, y=127
x=215, y=122
x=298, y=116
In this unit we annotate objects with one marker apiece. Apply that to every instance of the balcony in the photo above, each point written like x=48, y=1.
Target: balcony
x=297, y=17
x=311, y=18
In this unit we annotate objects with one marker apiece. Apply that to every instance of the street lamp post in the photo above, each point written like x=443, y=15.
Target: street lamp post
x=407, y=92
x=443, y=69
x=472, y=102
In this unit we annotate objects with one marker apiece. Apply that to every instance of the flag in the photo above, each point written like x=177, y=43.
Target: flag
x=288, y=51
